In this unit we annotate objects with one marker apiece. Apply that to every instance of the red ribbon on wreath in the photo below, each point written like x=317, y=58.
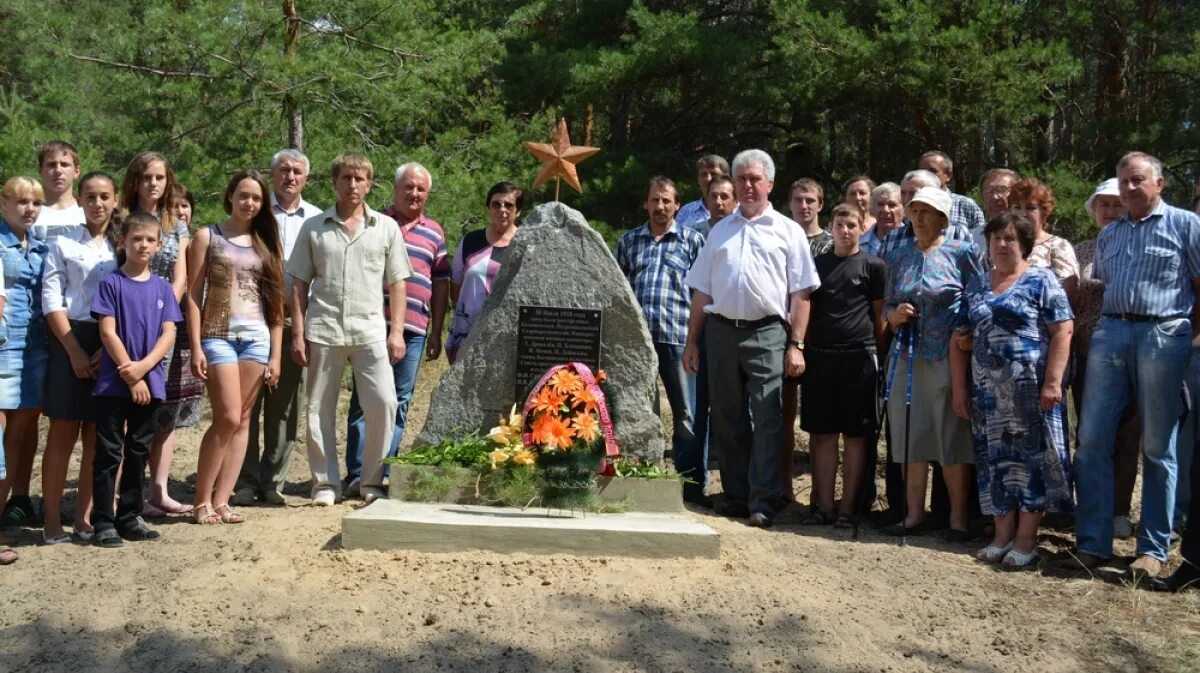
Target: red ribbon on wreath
x=593, y=386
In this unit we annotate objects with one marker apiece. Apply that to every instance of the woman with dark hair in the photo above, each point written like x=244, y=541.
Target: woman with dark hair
x=78, y=260
x=477, y=261
x=1021, y=336
x=857, y=192
x=150, y=187
x=235, y=322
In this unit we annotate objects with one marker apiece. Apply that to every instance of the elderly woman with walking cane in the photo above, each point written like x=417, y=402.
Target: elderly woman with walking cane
x=1021, y=336
x=924, y=305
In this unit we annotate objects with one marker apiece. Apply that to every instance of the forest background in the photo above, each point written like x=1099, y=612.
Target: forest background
x=1056, y=90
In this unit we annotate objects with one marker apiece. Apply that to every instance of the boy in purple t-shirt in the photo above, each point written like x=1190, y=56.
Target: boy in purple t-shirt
x=137, y=312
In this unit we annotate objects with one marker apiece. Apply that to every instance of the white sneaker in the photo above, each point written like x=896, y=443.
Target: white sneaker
x=1122, y=527
x=353, y=489
x=371, y=493
x=324, y=498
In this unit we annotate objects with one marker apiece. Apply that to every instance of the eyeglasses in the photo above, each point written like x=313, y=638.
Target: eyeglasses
x=502, y=205
x=996, y=191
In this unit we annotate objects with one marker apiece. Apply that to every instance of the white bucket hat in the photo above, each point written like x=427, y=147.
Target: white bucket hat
x=935, y=197
x=1107, y=188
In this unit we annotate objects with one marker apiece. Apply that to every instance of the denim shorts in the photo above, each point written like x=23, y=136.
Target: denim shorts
x=231, y=351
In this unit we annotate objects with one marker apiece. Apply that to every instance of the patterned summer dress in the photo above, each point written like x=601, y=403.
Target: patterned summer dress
x=184, y=391
x=1020, y=451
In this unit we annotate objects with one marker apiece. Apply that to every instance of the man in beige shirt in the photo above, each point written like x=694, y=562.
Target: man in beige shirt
x=339, y=265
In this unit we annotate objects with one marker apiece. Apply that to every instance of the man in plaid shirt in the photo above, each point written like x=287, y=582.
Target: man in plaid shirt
x=656, y=258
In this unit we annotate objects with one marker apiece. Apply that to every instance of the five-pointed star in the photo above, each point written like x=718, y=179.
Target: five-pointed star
x=559, y=157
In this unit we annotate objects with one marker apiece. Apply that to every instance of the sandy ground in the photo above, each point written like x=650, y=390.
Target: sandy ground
x=279, y=594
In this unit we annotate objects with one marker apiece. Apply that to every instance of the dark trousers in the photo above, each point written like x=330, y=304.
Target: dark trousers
x=691, y=460
x=123, y=433
x=267, y=463
x=1189, y=547
x=745, y=381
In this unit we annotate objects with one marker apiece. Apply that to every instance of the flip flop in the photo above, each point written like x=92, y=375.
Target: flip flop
x=83, y=536
x=18, y=512
x=56, y=539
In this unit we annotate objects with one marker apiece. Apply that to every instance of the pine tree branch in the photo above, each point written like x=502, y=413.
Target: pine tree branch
x=186, y=74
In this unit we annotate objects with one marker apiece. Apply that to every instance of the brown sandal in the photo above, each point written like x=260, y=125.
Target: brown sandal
x=228, y=515
x=199, y=516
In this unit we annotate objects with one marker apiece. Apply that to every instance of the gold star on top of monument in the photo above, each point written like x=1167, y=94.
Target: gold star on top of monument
x=559, y=158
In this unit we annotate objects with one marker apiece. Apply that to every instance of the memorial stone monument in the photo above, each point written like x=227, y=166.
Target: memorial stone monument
x=559, y=296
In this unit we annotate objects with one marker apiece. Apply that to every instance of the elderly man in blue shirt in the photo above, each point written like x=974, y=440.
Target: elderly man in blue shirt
x=656, y=258
x=1149, y=261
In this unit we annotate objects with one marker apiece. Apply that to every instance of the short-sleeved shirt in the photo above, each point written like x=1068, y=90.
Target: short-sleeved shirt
x=693, y=215
x=966, y=213
x=750, y=266
x=346, y=275
x=656, y=270
x=904, y=234
x=54, y=222
x=1148, y=265
x=1055, y=253
x=140, y=308
x=74, y=268
x=476, y=265
x=841, y=315
x=289, y=228
x=933, y=280
x=425, y=243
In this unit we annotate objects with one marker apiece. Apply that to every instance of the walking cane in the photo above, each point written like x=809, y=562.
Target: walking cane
x=882, y=411
x=911, y=338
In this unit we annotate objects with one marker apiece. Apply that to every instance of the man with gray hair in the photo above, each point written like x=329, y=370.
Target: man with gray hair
x=963, y=210
x=750, y=301
x=1149, y=262
x=266, y=465
x=427, y=293
x=695, y=215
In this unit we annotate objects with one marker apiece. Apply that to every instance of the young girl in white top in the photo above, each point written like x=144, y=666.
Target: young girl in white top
x=77, y=262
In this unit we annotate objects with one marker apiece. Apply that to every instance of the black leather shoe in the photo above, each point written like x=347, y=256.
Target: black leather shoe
x=759, y=520
x=698, y=499
x=733, y=510
x=1187, y=576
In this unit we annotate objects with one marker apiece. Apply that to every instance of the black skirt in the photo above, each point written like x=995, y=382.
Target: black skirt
x=68, y=398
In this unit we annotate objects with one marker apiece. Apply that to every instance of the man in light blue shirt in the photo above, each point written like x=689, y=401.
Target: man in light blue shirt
x=1149, y=261
x=694, y=214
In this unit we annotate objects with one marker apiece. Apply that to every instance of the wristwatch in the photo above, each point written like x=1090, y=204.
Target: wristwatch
x=798, y=344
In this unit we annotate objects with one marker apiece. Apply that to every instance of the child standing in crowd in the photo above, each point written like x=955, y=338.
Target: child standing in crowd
x=150, y=187
x=23, y=355
x=235, y=322
x=185, y=392
x=137, y=312
x=839, y=396
x=79, y=259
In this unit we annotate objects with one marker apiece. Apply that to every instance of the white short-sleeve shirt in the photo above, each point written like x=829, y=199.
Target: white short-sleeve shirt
x=750, y=266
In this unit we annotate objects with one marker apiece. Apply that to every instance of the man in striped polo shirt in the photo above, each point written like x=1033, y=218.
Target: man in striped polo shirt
x=428, y=290
x=1149, y=261
x=656, y=258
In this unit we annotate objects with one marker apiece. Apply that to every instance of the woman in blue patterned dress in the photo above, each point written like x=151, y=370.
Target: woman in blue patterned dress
x=924, y=305
x=1021, y=327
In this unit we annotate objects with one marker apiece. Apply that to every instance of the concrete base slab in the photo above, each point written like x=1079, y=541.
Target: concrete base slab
x=438, y=527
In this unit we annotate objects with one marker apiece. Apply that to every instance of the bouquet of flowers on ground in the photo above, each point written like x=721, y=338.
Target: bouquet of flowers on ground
x=565, y=431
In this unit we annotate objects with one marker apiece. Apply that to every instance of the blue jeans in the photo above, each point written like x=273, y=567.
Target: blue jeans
x=1145, y=362
x=675, y=382
x=692, y=460
x=405, y=372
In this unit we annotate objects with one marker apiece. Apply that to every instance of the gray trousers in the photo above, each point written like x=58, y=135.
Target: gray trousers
x=267, y=464
x=745, y=378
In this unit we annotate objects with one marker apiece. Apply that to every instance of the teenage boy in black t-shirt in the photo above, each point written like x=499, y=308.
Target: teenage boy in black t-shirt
x=839, y=387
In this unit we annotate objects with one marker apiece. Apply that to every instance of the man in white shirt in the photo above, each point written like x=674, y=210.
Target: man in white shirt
x=58, y=166
x=265, y=469
x=751, y=286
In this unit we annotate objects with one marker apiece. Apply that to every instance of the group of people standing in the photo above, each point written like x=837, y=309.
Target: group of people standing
x=145, y=312
x=964, y=327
